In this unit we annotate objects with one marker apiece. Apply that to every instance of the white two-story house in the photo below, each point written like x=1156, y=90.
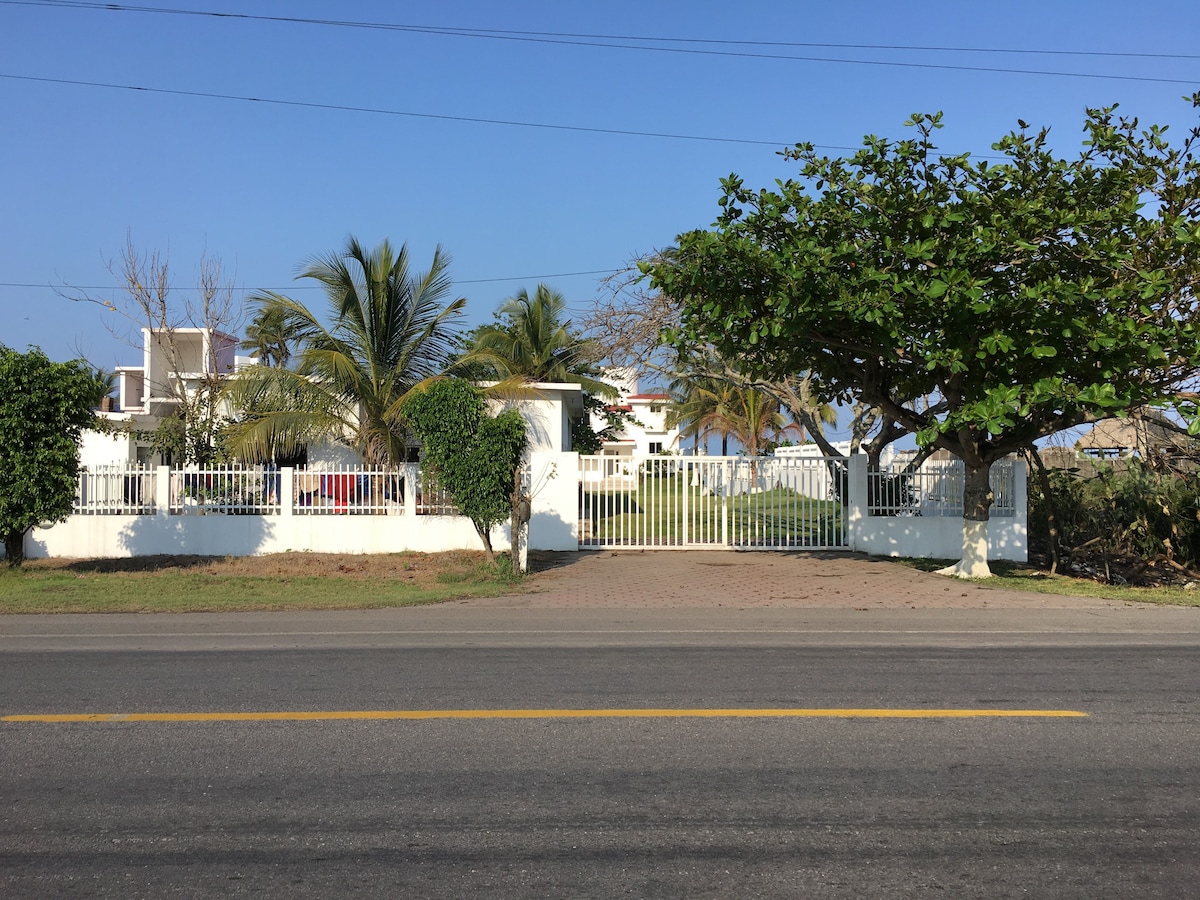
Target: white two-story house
x=646, y=433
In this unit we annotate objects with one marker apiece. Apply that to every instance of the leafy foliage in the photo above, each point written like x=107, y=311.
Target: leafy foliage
x=533, y=340
x=44, y=408
x=474, y=456
x=388, y=329
x=587, y=439
x=1128, y=509
x=1023, y=298
x=1023, y=293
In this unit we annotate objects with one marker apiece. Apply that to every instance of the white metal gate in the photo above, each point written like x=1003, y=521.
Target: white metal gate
x=694, y=502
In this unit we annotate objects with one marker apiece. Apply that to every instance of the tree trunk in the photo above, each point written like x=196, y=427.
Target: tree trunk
x=485, y=535
x=14, y=548
x=520, y=516
x=977, y=504
x=1031, y=453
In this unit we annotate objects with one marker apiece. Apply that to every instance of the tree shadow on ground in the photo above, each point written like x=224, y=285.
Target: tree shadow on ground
x=157, y=563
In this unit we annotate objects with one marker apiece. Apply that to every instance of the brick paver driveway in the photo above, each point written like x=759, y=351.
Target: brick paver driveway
x=754, y=580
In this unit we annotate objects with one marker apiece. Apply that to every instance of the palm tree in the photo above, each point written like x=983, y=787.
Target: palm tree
x=267, y=336
x=755, y=418
x=533, y=342
x=704, y=404
x=388, y=331
x=699, y=407
x=751, y=417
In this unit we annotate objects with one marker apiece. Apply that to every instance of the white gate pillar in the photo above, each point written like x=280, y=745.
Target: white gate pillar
x=162, y=491
x=855, y=512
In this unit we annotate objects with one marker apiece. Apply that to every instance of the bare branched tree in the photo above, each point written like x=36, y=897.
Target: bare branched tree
x=192, y=341
x=634, y=324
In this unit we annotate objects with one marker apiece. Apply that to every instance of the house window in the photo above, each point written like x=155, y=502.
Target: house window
x=656, y=446
x=656, y=408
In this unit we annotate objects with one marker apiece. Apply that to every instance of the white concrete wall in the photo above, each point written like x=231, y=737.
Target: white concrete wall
x=932, y=537
x=554, y=507
x=554, y=524
x=85, y=537
x=99, y=449
x=544, y=420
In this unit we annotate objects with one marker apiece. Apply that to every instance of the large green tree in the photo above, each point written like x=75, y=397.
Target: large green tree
x=981, y=305
x=44, y=408
x=474, y=456
x=385, y=329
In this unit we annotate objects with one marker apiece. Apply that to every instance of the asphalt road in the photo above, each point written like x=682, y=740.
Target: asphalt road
x=1105, y=805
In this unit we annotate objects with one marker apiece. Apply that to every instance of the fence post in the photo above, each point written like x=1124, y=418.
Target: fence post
x=287, y=490
x=1020, y=523
x=162, y=491
x=411, y=480
x=856, y=499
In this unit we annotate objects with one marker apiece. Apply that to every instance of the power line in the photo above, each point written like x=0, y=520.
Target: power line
x=610, y=42
x=470, y=31
x=299, y=287
x=303, y=104
x=438, y=116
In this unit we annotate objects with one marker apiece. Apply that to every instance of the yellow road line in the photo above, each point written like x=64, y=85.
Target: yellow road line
x=310, y=716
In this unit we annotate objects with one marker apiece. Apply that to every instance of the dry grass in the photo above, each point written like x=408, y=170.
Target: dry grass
x=418, y=568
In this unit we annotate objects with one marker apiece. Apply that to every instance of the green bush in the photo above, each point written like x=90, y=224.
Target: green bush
x=1126, y=510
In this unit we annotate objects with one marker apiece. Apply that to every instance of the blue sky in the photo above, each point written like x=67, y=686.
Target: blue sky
x=264, y=186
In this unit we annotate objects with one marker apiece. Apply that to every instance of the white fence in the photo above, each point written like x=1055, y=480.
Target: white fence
x=258, y=490
x=936, y=489
x=116, y=490
x=660, y=502
x=133, y=511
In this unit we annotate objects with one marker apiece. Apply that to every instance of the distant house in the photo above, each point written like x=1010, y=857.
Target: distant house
x=646, y=432
x=174, y=366
x=1147, y=435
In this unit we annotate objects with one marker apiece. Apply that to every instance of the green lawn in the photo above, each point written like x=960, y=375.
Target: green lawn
x=43, y=586
x=663, y=512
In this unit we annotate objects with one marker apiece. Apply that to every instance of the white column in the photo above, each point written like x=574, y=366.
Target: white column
x=1020, y=524
x=411, y=477
x=287, y=491
x=162, y=491
x=856, y=499
x=554, y=501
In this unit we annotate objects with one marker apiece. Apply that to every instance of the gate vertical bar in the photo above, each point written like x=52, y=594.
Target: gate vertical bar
x=684, y=491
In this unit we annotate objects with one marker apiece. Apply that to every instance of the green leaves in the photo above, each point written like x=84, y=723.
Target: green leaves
x=473, y=456
x=387, y=329
x=1014, y=298
x=44, y=408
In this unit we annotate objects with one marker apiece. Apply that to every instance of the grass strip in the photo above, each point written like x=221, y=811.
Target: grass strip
x=1011, y=576
x=86, y=590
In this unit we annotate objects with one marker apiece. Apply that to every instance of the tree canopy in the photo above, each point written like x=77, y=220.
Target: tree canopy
x=386, y=330
x=981, y=305
x=474, y=456
x=44, y=408
x=532, y=340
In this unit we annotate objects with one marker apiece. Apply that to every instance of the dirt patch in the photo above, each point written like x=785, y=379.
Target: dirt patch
x=417, y=568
